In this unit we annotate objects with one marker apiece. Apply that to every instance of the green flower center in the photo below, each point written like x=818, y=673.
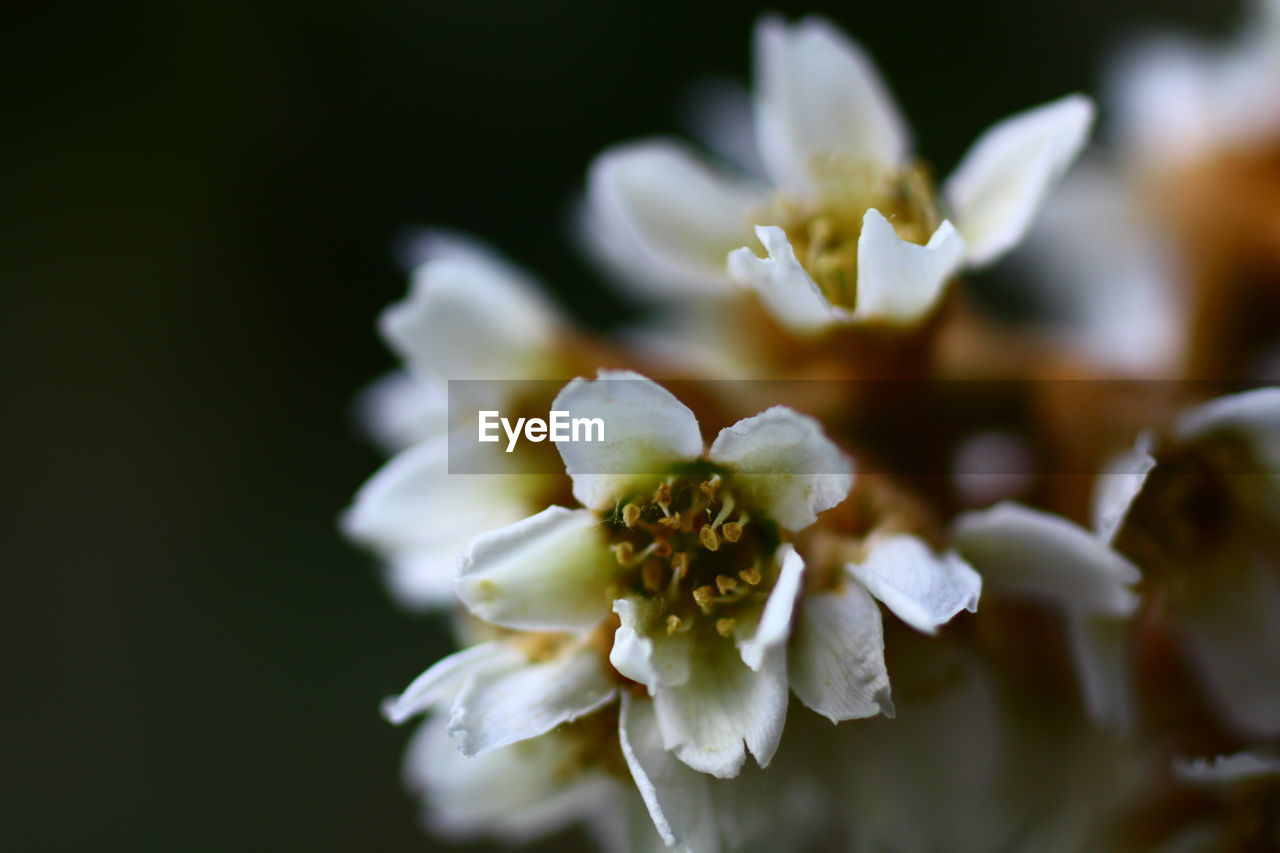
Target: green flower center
x=693, y=553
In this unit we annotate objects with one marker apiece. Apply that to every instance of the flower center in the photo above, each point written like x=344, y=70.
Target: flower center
x=824, y=231
x=1200, y=516
x=691, y=550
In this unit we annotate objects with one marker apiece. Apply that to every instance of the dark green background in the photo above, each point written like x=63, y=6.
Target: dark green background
x=199, y=200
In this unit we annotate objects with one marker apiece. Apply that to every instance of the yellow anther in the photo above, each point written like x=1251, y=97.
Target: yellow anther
x=630, y=515
x=724, y=583
x=625, y=552
x=663, y=495
x=732, y=531
x=651, y=574
x=672, y=521
x=708, y=538
x=680, y=565
x=673, y=624
x=724, y=626
x=751, y=575
x=710, y=487
x=704, y=597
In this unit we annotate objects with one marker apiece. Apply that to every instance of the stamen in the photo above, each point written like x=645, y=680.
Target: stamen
x=663, y=496
x=679, y=566
x=707, y=536
x=732, y=531
x=673, y=624
x=630, y=515
x=751, y=575
x=724, y=626
x=704, y=597
x=724, y=511
x=724, y=583
x=625, y=552
x=662, y=548
x=672, y=521
x=710, y=487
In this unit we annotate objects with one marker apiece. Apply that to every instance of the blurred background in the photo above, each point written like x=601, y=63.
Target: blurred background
x=200, y=205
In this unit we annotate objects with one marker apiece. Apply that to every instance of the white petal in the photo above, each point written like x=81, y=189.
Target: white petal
x=820, y=96
x=398, y=410
x=470, y=315
x=774, y=626
x=1256, y=412
x=1002, y=181
x=836, y=659
x=1101, y=654
x=440, y=684
x=1162, y=90
x=1254, y=415
x=643, y=652
x=549, y=572
x=1106, y=274
x=724, y=703
x=422, y=577
x=676, y=215
x=1227, y=768
x=783, y=285
x=1117, y=486
x=900, y=281
x=678, y=798
x=1022, y=551
x=516, y=793
x=787, y=465
x=494, y=710
x=1232, y=633
x=922, y=589
x=419, y=518
x=646, y=430
x=413, y=500
x=720, y=114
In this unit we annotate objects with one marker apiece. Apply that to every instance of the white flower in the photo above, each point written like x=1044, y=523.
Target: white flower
x=469, y=315
x=1177, y=100
x=1029, y=553
x=848, y=220
x=1115, y=268
x=1202, y=552
x=716, y=615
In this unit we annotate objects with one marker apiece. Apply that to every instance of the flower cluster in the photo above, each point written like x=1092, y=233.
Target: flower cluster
x=636, y=613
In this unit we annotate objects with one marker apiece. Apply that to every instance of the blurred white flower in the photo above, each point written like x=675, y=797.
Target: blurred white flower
x=1027, y=553
x=1115, y=269
x=1199, y=535
x=849, y=221
x=469, y=315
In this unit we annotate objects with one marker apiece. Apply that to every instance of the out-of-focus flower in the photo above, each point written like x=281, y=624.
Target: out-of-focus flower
x=852, y=229
x=996, y=778
x=469, y=315
x=715, y=616
x=1197, y=513
x=1027, y=553
x=1157, y=259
